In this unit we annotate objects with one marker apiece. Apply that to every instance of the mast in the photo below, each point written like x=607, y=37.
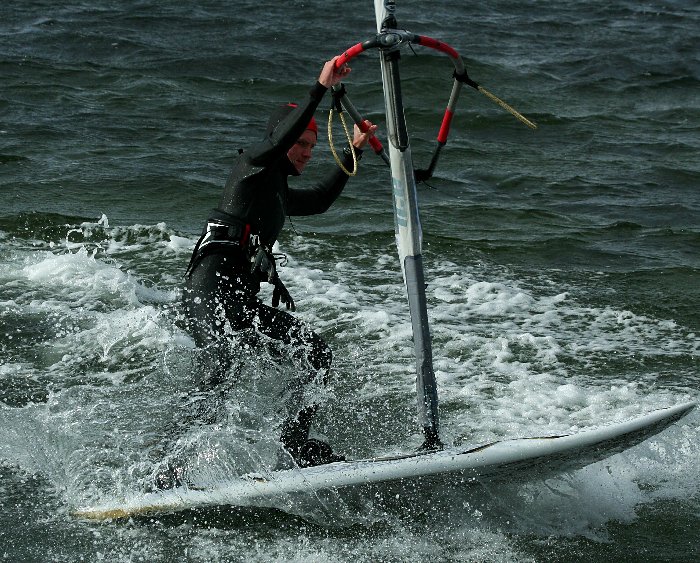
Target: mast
x=389, y=40
x=408, y=228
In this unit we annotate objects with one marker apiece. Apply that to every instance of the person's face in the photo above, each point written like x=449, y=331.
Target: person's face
x=300, y=153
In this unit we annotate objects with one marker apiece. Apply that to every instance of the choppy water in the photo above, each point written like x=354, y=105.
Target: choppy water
x=563, y=269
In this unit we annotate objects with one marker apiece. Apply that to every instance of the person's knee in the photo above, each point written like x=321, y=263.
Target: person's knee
x=213, y=363
x=320, y=357
x=326, y=355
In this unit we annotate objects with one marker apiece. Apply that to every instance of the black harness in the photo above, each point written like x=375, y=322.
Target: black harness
x=227, y=235
x=222, y=236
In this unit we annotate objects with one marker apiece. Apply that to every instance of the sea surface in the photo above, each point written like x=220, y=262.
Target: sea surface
x=562, y=269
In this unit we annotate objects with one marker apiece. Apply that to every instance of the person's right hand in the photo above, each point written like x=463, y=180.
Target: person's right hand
x=330, y=76
x=361, y=139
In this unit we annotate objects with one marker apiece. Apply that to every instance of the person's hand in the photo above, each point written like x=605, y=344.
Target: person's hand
x=361, y=139
x=330, y=76
x=280, y=293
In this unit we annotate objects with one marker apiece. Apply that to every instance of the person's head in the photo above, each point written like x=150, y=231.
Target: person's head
x=300, y=153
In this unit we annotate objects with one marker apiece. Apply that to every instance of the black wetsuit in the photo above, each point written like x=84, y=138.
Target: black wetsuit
x=220, y=285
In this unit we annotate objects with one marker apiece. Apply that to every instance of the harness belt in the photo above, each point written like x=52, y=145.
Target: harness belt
x=229, y=235
x=220, y=235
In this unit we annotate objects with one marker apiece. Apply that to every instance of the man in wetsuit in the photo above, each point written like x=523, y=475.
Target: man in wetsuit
x=234, y=255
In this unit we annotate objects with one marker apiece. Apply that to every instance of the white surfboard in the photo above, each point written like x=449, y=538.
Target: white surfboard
x=518, y=458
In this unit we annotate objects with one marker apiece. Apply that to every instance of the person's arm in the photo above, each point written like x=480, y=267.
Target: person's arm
x=317, y=199
x=293, y=125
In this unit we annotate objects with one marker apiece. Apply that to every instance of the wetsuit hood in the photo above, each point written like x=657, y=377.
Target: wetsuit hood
x=280, y=113
x=277, y=116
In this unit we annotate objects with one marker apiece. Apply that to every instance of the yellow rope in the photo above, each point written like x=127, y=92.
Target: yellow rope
x=330, y=142
x=506, y=107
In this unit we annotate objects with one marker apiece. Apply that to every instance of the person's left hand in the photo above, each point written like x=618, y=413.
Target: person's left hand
x=280, y=293
x=330, y=76
x=361, y=139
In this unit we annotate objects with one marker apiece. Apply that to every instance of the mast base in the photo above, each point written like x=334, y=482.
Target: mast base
x=432, y=440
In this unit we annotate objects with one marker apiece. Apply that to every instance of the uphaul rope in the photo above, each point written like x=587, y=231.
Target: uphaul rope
x=341, y=97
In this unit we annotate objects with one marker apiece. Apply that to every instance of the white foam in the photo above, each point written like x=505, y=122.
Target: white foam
x=179, y=244
x=511, y=360
x=78, y=270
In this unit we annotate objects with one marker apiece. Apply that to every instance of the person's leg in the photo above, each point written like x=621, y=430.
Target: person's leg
x=205, y=306
x=205, y=300
x=219, y=305
x=307, y=345
x=206, y=320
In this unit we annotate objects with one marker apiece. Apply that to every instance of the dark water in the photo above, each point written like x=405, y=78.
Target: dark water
x=563, y=269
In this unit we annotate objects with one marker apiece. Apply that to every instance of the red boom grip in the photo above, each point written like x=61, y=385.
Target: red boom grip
x=364, y=125
x=438, y=45
x=375, y=143
x=349, y=54
x=445, y=127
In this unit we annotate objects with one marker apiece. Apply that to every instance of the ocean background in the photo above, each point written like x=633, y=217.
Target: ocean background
x=563, y=271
